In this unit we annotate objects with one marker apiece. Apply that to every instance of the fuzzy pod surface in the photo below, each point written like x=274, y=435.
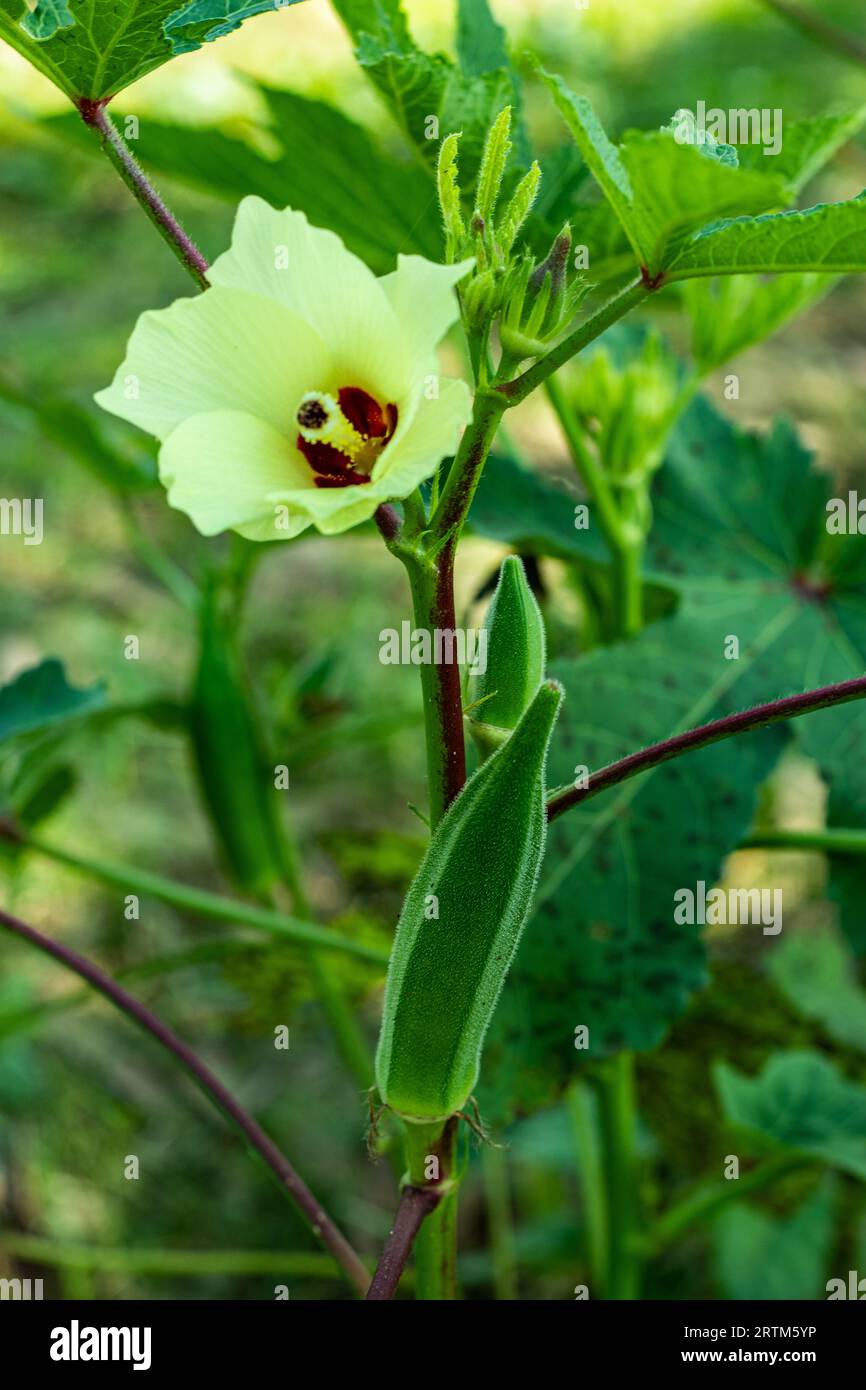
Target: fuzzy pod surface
x=515, y=658
x=461, y=924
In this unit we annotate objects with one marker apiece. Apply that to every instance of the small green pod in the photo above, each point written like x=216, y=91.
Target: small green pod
x=515, y=655
x=461, y=924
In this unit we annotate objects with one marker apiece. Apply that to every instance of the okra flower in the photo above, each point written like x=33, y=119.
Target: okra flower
x=300, y=390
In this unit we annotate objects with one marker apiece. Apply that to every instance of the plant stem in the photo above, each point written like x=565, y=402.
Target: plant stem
x=583, y=1111
x=204, y=904
x=710, y=1198
x=430, y=1189
x=289, y=1181
x=586, y=332
x=436, y=1245
x=429, y=563
x=95, y=115
x=829, y=841
x=758, y=717
x=615, y=1085
x=494, y=1166
x=415, y=1206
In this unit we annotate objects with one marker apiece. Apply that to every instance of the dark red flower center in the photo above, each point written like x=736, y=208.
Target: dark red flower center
x=342, y=436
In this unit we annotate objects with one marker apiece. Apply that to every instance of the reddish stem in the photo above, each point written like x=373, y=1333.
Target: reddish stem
x=95, y=115
x=789, y=707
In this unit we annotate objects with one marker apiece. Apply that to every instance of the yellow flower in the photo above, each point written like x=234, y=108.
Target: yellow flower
x=300, y=389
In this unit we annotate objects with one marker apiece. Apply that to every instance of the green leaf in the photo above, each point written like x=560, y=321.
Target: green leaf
x=41, y=699
x=93, y=50
x=807, y=146
x=730, y=314
x=802, y=1102
x=417, y=86
x=829, y=238
x=531, y=513
x=480, y=39
x=757, y=1256
x=814, y=970
x=379, y=206
x=660, y=189
x=739, y=537
x=603, y=949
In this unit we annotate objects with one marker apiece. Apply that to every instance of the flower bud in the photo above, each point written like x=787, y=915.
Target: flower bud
x=515, y=652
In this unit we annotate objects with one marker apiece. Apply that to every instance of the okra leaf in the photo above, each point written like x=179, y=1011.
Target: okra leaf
x=828, y=238
x=807, y=145
x=741, y=532
x=93, y=50
x=730, y=314
x=481, y=45
x=661, y=190
x=758, y=1256
x=815, y=972
x=428, y=94
x=801, y=1102
x=380, y=206
x=768, y=604
x=41, y=699
x=603, y=949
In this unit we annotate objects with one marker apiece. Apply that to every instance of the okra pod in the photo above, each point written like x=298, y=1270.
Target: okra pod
x=461, y=924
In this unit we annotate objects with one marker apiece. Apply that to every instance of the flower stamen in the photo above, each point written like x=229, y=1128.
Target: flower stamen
x=341, y=437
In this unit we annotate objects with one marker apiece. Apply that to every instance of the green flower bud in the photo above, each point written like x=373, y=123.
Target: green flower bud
x=449, y=197
x=496, y=151
x=518, y=210
x=515, y=652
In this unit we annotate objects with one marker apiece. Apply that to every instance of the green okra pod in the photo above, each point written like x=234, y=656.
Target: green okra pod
x=461, y=923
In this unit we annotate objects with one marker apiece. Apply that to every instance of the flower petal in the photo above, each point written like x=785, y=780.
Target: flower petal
x=421, y=295
x=308, y=270
x=430, y=435
x=225, y=350
x=227, y=470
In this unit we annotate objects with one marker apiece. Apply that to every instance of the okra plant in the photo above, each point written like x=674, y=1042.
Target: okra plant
x=607, y=700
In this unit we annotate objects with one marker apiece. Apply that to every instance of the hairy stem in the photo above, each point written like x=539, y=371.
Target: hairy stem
x=789, y=707
x=95, y=115
x=289, y=1181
